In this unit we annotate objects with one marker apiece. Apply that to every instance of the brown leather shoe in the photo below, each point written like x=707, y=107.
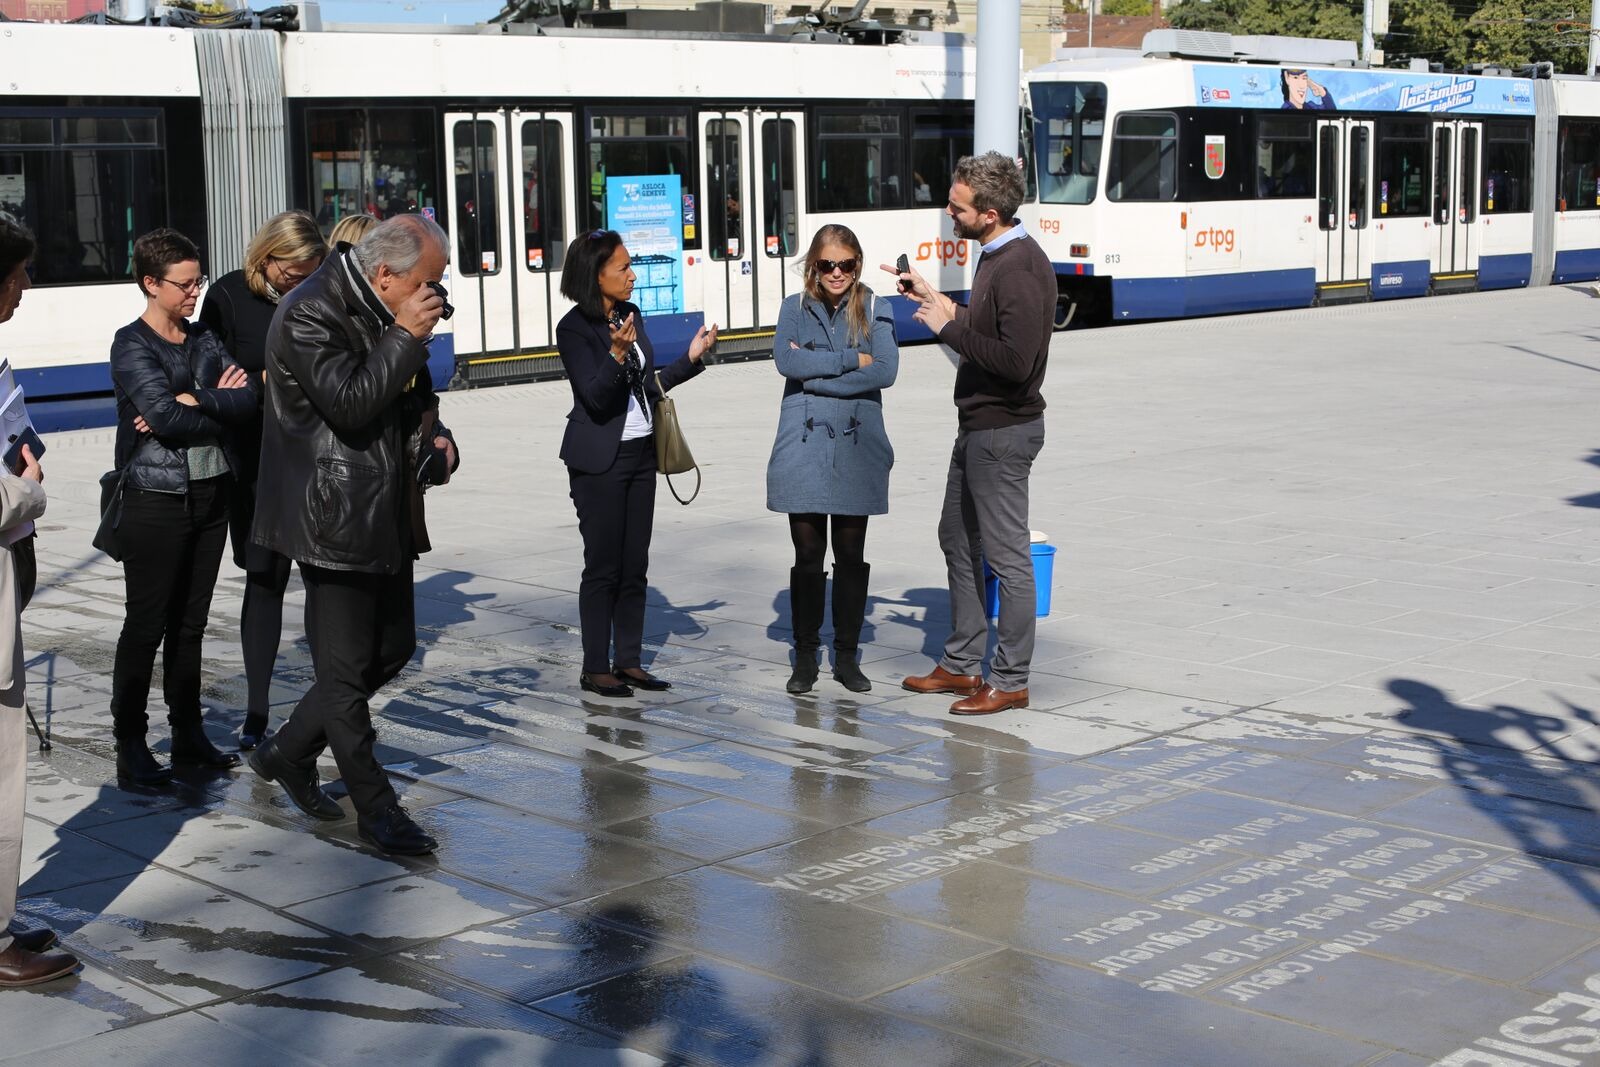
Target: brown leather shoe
x=942, y=681
x=19, y=967
x=989, y=700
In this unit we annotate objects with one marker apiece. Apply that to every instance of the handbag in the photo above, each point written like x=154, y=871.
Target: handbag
x=672, y=450
x=105, y=536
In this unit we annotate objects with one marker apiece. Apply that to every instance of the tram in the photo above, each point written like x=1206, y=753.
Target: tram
x=717, y=154
x=1217, y=174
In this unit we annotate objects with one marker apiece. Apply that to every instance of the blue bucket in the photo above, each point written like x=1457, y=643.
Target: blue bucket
x=1044, y=570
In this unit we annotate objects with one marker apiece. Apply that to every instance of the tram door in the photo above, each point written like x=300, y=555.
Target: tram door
x=729, y=286
x=779, y=163
x=509, y=206
x=1344, y=205
x=1454, y=252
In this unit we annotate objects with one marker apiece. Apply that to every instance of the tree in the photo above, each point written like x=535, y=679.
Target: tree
x=1125, y=7
x=1426, y=29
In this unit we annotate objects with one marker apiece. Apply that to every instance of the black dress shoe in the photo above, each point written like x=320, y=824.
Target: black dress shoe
x=588, y=684
x=31, y=938
x=19, y=967
x=393, y=831
x=640, y=678
x=300, y=783
x=192, y=748
x=249, y=742
x=847, y=672
x=136, y=766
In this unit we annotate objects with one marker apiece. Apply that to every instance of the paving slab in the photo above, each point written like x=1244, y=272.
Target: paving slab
x=1309, y=772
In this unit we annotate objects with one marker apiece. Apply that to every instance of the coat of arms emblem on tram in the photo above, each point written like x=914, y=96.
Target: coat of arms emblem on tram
x=1216, y=155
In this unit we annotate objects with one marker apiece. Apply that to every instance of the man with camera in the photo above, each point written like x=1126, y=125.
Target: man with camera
x=351, y=439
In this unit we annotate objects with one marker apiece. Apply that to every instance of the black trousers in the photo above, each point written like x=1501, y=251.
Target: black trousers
x=363, y=630
x=173, y=547
x=616, y=515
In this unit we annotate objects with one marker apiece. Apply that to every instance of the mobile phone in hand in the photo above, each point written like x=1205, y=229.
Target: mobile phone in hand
x=903, y=265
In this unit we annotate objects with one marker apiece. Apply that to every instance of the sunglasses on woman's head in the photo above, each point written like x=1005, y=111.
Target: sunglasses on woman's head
x=828, y=266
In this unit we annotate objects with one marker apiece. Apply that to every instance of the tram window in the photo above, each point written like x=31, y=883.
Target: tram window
x=477, y=183
x=543, y=184
x=1284, y=165
x=1441, y=175
x=1359, y=150
x=1030, y=176
x=638, y=144
x=724, y=196
x=1402, y=161
x=1465, y=201
x=937, y=142
x=1507, y=167
x=1069, y=120
x=380, y=161
x=87, y=184
x=860, y=161
x=1328, y=178
x=1579, y=166
x=1144, y=158
x=779, y=228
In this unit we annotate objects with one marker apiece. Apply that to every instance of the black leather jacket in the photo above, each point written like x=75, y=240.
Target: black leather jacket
x=346, y=392
x=148, y=372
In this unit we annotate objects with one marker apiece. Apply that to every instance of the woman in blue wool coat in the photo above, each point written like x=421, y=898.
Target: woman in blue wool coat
x=835, y=347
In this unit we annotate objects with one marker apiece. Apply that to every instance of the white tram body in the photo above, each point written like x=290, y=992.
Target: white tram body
x=1259, y=178
x=515, y=139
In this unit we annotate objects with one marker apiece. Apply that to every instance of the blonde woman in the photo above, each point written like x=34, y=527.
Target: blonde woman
x=350, y=230
x=286, y=250
x=836, y=349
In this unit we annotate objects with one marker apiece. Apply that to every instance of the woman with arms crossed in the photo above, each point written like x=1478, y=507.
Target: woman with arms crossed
x=835, y=347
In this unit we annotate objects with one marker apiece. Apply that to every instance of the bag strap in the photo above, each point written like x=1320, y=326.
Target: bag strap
x=692, y=495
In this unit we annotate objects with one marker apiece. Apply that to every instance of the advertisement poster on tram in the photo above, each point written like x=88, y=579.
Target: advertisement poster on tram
x=647, y=211
x=1325, y=91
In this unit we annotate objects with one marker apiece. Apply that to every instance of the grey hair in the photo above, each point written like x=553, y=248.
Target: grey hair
x=398, y=244
x=995, y=181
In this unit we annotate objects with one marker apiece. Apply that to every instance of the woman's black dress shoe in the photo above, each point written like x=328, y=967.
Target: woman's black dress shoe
x=136, y=766
x=643, y=680
x=252, y=733
x=192, y=748
x=588, y=684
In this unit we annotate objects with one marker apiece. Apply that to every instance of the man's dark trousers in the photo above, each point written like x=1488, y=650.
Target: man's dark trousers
x=362, y=630
x=985, y=515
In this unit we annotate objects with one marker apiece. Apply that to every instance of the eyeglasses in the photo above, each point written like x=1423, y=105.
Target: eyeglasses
x=828, y=266
x=189, y=287
x=296, y=276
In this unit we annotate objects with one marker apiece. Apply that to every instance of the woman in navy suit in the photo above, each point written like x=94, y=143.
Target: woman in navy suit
x=610, y=453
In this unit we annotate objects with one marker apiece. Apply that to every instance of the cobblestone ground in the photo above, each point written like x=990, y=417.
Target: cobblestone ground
x=1308, y=775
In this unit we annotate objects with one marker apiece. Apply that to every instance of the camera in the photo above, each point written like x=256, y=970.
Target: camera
x=444, y=294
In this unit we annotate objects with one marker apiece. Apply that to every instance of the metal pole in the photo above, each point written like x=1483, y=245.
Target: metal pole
x=1366, y=29
x=1594, y=40
x=999, y=75
x=1091, y=23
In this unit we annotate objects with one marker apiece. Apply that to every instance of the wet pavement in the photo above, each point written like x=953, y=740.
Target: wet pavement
x=1309, y=774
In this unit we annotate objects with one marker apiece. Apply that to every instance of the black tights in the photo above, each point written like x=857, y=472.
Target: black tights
x=810, y=535
x=260, y=632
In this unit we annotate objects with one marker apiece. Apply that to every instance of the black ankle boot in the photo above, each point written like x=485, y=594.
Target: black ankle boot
x=849, y=611
x=136, y=766
x=192, y=748
x=807, y=591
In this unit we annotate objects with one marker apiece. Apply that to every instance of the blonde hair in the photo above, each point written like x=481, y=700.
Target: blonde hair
x=292, y=236
x=351, y=228
x=857, y=328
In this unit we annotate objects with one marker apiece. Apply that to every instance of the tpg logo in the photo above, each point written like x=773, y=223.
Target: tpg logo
x=946, y=252
x=1214, y=239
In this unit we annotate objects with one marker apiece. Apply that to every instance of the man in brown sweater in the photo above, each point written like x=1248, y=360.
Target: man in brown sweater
x=1003, y=336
